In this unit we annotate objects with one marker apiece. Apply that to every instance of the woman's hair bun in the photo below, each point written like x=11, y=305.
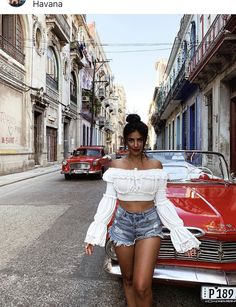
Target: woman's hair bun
x=133, y=118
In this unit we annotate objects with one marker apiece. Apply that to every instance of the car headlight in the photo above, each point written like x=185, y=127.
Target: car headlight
x=95, y=162
x=64, y=163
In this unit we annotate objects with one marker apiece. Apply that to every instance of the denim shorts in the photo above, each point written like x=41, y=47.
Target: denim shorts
x=131, y=226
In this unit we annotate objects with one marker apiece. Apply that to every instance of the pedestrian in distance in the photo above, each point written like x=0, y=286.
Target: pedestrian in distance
x=136, y=192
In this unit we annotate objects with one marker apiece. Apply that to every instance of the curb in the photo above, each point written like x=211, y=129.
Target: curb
x=28, y=177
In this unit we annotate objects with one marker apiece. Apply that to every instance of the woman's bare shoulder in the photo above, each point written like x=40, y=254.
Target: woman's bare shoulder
x=155, y=164
x=118, y=163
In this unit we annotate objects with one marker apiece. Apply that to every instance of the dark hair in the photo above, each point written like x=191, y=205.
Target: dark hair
x=134, y=123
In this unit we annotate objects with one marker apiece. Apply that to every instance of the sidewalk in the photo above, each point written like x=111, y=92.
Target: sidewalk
x=37, y=171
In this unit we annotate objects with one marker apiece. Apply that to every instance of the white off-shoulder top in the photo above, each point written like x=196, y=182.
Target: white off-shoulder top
x=139, y=185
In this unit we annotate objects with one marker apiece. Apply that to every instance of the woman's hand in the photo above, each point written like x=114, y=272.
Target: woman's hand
x=88, y=249
x=191, y=253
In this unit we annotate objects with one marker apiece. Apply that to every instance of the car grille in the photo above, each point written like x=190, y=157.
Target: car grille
x=210, y=251
x=213, y=251
x=79, y=165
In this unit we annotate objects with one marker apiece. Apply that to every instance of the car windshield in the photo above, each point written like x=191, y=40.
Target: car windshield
x=87, y=152
x=192, y=165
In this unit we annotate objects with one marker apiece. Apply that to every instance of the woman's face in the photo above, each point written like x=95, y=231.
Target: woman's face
x=135, y=143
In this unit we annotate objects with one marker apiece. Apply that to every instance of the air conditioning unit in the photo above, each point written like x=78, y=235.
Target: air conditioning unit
x=85, y=99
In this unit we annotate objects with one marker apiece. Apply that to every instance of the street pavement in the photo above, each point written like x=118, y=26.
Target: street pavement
x=35, y=172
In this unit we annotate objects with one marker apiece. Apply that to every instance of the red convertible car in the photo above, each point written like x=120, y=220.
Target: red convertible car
x=204, y=194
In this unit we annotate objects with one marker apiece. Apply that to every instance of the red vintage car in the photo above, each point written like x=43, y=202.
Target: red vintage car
x=89, y=160
x=121, y=152
x=204, y=194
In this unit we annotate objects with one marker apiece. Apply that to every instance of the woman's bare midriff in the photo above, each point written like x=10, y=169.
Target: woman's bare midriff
x=136, y=206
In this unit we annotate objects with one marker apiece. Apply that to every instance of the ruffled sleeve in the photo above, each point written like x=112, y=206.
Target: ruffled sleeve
x=96, y=234
x=182, y=239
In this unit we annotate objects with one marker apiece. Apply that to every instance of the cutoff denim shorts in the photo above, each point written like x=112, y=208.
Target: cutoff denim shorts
x=131, y=226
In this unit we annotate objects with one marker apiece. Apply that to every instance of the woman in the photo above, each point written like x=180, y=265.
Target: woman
x=138, y=184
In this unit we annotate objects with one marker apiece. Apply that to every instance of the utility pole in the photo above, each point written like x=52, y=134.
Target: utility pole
x=93, y=96
x=92, y=103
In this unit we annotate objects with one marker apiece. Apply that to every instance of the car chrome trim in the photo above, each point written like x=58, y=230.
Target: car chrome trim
x=181, y=274
x=212, y=251
x=197, y=232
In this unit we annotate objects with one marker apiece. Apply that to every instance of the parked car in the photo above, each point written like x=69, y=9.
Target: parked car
x=204, y=195
x=89, y=160
x=121, y=152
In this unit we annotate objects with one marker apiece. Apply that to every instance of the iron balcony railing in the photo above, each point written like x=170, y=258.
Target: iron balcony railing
x=208, y=42
x=52, y=83
x=163, y=97
x=73, y=98
x=10, y=49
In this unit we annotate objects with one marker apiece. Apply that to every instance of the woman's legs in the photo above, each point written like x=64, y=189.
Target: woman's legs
x=125, y=256
x=146, y=252
x=137, y=263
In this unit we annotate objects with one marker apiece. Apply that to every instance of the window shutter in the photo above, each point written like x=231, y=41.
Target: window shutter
x=8, y=26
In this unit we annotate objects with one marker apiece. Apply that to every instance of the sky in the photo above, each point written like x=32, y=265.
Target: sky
x=134, y=43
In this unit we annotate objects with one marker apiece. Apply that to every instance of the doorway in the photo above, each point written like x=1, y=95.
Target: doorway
x=51, y=144
x=38, y=137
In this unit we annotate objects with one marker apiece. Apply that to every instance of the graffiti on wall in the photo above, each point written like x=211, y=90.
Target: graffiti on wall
x=10, y=129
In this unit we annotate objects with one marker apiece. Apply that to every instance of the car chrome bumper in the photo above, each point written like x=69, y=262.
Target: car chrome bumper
x=181, y=274
x=79, y=172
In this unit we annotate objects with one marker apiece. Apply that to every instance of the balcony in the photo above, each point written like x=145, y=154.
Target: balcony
x=101, y=122
x=108, y=127
x=215, y=51
x=76, y=53
x=101, y=93
x=86, y=104
x=157, y=123
x=73, y=98
x=60, y=27
x=11, y=50
x=51, y=82
x=178, y=91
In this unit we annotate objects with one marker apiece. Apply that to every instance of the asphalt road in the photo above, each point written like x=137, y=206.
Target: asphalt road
x=43, y=222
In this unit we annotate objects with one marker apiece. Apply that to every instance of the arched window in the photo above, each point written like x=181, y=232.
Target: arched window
x=73, y=88
x=52, y=68
x=11, y=37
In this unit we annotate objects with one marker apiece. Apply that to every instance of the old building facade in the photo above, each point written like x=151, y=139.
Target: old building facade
x=48, y=66
x=196, y=100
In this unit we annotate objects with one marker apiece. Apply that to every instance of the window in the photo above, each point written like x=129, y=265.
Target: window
x=192, y=38
x=38, y=39
x=11, y=37
x=73, y=88
x=51, y=64
x=52, y=69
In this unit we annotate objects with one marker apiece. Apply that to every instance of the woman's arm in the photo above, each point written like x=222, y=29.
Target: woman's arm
x=182, y=239
x=96, y=234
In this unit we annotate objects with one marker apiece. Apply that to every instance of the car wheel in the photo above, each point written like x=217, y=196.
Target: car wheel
x=67, y=177
x=99, y=176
